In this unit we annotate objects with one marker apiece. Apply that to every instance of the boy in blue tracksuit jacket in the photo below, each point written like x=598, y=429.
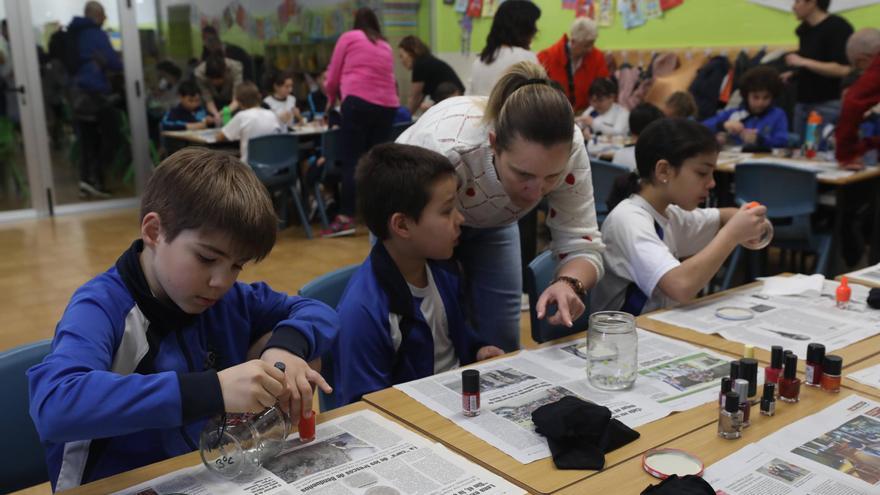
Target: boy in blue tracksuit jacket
x=757, y=122
x=401, y=316
x=189, y=112
x=148, y=350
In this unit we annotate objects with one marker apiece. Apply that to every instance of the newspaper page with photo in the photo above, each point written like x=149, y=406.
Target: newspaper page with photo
x=675, y=374
x=868, y=376
x=790, y=321
x=358, y=454
x=511, y=388
x=833, y=452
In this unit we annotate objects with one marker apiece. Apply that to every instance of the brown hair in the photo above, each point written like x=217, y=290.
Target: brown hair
x=247, y=94
x=760, y=78
x=414, y=46
x=365, y=20
x=197, y=188
x=525, y=103
x=682, y=105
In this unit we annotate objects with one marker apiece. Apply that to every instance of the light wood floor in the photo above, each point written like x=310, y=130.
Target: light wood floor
x=43, y=261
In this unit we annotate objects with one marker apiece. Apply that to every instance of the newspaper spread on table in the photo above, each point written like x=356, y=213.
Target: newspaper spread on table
x=790, y=321
x=358, y=454
x=868, y=376
x=843, y=459
x=868, y=275
x=673, y=376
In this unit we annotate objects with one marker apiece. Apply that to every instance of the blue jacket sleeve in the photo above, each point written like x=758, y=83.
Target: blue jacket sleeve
x=305, y=327
x=716, y=122
x=105, y=51
x=169, y=123
x=364, y=353
x=75, y=377
x=775, y=132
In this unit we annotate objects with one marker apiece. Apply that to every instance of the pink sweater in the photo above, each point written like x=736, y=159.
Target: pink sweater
x=362, y=68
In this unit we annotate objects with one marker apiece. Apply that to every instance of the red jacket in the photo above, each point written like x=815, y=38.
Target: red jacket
x=554, y=60
x=859, y=98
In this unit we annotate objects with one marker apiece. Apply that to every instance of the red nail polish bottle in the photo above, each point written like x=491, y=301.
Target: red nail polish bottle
x=470, y=392
x=790, y=384
x=813, y=365
x=306, y=426
x=771, y=373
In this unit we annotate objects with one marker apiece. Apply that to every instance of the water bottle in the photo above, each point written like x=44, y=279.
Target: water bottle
x=811, y=136
x=226, y=115
x=612, y=350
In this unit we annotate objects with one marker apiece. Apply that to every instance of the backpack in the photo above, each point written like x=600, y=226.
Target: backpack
x=64, y=47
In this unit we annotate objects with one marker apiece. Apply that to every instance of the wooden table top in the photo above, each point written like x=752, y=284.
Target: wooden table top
x=861, y=387
x=851, y=354
x=729, y=167
x=130, y=478
x=859, y=280
x=629, y=477
x=539, y=476
x=207, y=136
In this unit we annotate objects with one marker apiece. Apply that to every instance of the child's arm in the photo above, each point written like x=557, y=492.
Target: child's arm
x=776, y=134
x=717, y=121
x=683, y=282
x=365, y=357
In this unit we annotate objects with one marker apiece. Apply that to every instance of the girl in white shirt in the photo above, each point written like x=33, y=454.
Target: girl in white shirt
x=510, y=151
x=513, y=27
x=281, y=101
x=604, y=116
x=660, y=223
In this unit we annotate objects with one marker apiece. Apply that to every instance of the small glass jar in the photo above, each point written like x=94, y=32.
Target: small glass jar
x=764, y=240
x=236, y=445
x=612, y=350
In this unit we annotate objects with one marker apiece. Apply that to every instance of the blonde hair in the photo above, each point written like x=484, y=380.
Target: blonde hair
x=197, y=188
x=681, y=104
x=583, y=29
x=526, y=103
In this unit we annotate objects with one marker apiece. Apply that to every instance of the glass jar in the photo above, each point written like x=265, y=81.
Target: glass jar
x=612, y=350
x=234, y=445
x=762, y=241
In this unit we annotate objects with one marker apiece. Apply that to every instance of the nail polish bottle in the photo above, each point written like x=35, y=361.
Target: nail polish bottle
x=831, y=373
x=813, y=365
x=741, y=387
x=306, y=426
x=748, y=370
x=470, y=392
x=726, y=386
x=768, y=400
x=730, y=418
x=842, y=294
x=772, y=372
x=734, y=370
x=790, y=384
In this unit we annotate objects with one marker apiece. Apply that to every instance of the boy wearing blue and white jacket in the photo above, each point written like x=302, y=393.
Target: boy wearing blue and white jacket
x=401, y=314
x=757, y=122
x=148, y=350
x=189, y=113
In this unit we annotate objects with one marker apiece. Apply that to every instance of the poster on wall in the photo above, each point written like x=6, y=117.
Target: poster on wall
x=652, y=9
x=605, y=12
x=474, y=8
x=668, y=4
x=461, y=6
x=836, y=5
x=632, y=13
x=489, y=8
x=570, y=4
x=586, y=8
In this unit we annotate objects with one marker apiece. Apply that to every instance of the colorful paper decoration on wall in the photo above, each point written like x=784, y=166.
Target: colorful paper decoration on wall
x=585, y=8
x=474, y=8
x=632, y=13
x=605, y=12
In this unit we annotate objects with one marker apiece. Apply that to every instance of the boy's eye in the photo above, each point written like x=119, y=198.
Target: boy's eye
x=237, y=267
x=204, y=259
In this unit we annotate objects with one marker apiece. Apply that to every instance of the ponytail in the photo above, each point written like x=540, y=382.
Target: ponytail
x=624, y=187
x=526, y=103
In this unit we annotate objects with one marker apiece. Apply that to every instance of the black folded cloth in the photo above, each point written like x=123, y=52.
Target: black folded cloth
x=686, y=485
x=874, y=298
x=580, y=433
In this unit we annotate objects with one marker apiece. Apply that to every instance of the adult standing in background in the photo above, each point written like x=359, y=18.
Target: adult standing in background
x=211, y=37
x=217, y=78
x=513, y=27
x=510, y=151
x=362, y=71
x=574, y=62
x=428, y=72
x=863, y=50
x=820, y=62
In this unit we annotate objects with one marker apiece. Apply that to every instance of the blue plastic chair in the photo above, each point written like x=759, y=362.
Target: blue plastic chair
x=789, y=193
x=397, y=129
x=539, y=274
x=604, y=175
x=328, y=289
x=23, y=460
x=275, y=158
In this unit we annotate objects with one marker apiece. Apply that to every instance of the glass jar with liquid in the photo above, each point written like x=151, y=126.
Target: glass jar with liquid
x=235, y=445
x=612, y=350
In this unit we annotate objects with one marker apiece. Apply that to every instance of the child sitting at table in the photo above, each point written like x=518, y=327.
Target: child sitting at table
x=657, y=222
x=280, y=100
x=402, y=315
x=166, y=338
x=757, y=123
x=642, y=115
x=189, y=113
x=251, y=121
x=604, y=116
x=680, y=104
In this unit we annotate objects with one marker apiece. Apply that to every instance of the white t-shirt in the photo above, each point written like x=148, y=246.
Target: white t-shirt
x=634, y=251
x=625, y=156
x=434, y=311
x=280, y=106
x=248, y=124
x=614, y=122
x=484, y=77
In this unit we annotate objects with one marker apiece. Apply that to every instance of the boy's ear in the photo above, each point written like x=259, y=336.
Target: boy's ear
x=492, y=139
x=399, y=225
x=151, y=229
x=662, y=170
